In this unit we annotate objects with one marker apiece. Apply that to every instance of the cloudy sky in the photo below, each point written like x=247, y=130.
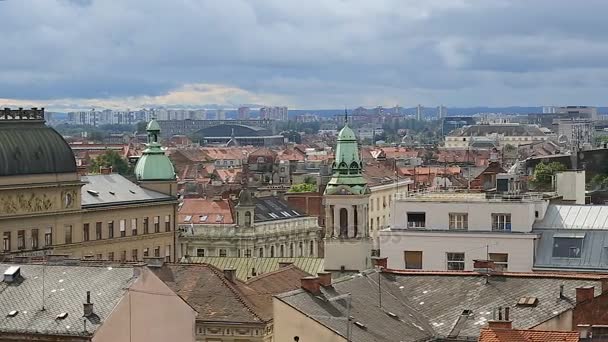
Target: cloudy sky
x=305, y=54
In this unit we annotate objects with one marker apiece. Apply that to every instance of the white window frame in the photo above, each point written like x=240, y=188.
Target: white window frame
x=458, y=221
x=501, y=222
x=502, y=266
x=455, y=261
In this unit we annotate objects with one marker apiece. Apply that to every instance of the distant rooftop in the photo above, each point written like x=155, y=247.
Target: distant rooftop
x=452, y=196
x=112, y=189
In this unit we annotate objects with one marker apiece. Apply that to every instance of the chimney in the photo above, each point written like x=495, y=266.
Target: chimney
x=561, y=292
x=88, y=306
x=324, y=278
x=311, y=285
x=380, y=262
x=501, y=323
x=283, y=264
x=584, y=293
x=604, y=282
x=155, y=262
x=230, y=274
x=105, y=170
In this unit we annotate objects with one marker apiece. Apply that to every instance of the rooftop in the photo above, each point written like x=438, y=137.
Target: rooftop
x=508, y=129
x=439, y=304
x=113, y=189
x=205, y=211
x=65, y=290
x=574, y=217
x=513, y=335
x=453, y=196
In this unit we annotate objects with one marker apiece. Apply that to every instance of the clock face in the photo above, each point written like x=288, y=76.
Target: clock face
x=68, y=200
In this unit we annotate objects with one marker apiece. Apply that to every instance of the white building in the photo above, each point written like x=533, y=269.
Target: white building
x=502, y=134
x=447, y=231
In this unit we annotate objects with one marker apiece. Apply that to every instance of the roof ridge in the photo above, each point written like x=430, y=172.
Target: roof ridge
x=240, y=296
x=540, y=274
x=280, y=269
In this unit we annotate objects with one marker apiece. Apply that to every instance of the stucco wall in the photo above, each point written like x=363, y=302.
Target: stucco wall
x=353, y=254
x=149, y=312
x=435, y=246
x=289, y=323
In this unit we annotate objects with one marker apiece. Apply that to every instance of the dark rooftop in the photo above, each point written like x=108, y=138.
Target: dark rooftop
x=271, y=208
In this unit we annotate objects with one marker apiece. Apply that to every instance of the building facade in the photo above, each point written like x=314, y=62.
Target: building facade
x=501, y=134
x=447, y=231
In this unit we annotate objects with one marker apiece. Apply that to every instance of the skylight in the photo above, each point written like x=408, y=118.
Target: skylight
x=62, y=315
x=273, y=215
x=202, y=218
x=188, y=218
x=286, y=214
x=93, y=192
x=219, y=218
x=12, y=313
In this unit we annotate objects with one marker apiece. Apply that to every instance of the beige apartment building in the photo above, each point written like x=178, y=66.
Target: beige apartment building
x=47, y=208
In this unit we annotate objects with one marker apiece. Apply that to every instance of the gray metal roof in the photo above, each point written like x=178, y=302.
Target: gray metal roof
x=271, y=208
x=28, y=148
x=504, y=129
x=593, y=255
x=112, y=189
x=431, y=304
x=574, y=217
x=65, y=292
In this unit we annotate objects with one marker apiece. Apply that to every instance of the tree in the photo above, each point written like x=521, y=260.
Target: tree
x=304, y=187
x=543, y=174
x=310, y=180
x=111, y=159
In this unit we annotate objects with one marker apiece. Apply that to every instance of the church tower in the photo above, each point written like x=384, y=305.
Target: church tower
x=346, y=198
x=154, y=169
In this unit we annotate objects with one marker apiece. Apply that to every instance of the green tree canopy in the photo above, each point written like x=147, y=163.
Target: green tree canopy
x=544, y=172
x=113, y=159
x=304, y=187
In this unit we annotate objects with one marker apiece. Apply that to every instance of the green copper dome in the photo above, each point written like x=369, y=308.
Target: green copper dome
x=347, y=178
x=154, y=165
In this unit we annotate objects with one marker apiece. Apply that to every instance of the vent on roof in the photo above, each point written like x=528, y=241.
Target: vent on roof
x=360, y=325
x=202, y=218
x=12, y=313
x=527, y=301
x=392, y=315
x=62, y=315
x=131, y=191
x=12, y=274
x=467, y=312
x=112, y=192
x=93, y=192
x=219, y=218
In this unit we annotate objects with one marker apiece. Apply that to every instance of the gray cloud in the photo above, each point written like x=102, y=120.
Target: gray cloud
x=315, y=53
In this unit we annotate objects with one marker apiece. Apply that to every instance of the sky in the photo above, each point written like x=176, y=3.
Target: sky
x=71, y=54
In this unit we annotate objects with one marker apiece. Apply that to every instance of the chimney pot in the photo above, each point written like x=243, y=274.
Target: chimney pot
x=311, y=284
x=584, y=293
x=324, y=278
x=88, y=306
x=230, y=274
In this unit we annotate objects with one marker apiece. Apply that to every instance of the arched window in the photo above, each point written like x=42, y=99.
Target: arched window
x=248, y=218
x=261, y=252
x=282, y=251
x=343, y=222
x=291, y=250
x=272, y=251
x=301, y=249
x=311, y=251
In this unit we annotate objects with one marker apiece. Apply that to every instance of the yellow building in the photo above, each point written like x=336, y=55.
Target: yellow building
x=47, y=208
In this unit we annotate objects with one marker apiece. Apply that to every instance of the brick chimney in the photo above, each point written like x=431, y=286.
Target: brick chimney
x=584, y=293
x=230, y=274
x=105, y=170
x=380, y=262
x=324, y=278
x=604, y=282
x=311, y=285
x=501, y=322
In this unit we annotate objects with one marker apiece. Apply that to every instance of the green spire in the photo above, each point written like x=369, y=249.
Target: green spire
x=154, y=165
x=347, y=168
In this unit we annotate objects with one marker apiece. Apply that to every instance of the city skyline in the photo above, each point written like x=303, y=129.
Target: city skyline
x=77, y=54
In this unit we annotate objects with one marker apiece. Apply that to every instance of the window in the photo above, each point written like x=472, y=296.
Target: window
x=99, y=256
x=68, y=233
x=134, y=254
x=272, y=251
x=383, y=201
x=282, y=251
x=156, y=224
x=85, y=232
x=414, y=220
x=6, y=241
x=21, y=239
x=110, y=229
x=222, y=253
x=123, y=228
x=378, y=203
x=371, y=207
x=501, y=222
x=301, y=249
x=133, y=226
x=291, y=250
x=261, y=252
x=371, y=224
x=167, y=223
x=34, y=238
x=168, y=253
x=146, y=252
x=459, y=221
x=311, y=248
x=145, y=225
x=501, y=261
x=157, y=252
x=123, y=255
x=98, y=231
x=48, y=236
x=455, y=261
x=248, y=253
x=568, y=247
x=200, y=252
x=413, y=260
x=111, y=256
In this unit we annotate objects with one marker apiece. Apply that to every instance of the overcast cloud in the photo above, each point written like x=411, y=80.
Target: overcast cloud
x=304, y=54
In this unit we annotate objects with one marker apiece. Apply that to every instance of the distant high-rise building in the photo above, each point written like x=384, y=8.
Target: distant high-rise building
x=274, y=113
x=419, y=112
x=243, y=113
x=442, y=112
x=591, y=112
x=220, y=114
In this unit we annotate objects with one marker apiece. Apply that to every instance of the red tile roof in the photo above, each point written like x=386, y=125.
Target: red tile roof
x=512, y=335
x=565, y=275
x=205, y=211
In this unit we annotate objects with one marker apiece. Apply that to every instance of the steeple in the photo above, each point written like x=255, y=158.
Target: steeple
x=154, y=165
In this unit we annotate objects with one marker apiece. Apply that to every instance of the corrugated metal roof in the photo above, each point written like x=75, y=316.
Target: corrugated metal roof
x=574, y=217
x=244, y=266
x=100, y=190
